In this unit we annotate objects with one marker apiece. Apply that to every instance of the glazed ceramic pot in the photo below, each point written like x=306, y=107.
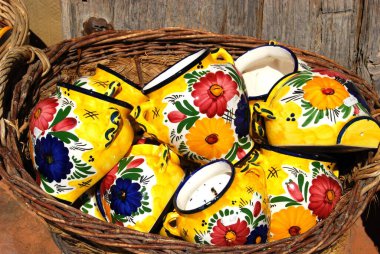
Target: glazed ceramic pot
x=220, y=205
x=110, y=83
x=76, y=137
x=302, y=189
x=138, y=191
x=199, y=107
x=318, y=110
x=262, y=67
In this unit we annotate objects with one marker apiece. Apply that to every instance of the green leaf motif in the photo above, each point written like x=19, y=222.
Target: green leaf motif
x=186, y=109
x=292, y=204
x=123, y=164
x=82, y=169
x=281, y=199
x=46, y=187
x=301, y=179
x=231, y=155
x=187, y=123
x=260, y=218
x=299, y=79
x=65, y=136
x=345, y=110
x=248, y=213
x=306, y=191
x=62, y=114
x=79, y=83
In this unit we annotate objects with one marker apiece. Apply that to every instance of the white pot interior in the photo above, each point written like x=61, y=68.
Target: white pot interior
x=262, y=67
x=173, y=69
x=204, y=185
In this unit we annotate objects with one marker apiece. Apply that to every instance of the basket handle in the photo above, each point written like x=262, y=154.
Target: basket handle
x=16, y=55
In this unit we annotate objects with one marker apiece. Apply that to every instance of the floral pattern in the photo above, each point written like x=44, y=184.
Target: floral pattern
x=125, y=197
x=43, y=114
x=210, y=137
x=325, y=192
x=291, y=222
x=227, y=235
x=212, y=93
x=325, y=93
x=324, y=96
x=52, y=158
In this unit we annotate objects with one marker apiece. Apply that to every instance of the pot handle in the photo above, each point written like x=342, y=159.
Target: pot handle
x=264, y=110
x=221, y=55
x=170, y=223
x=139, y=114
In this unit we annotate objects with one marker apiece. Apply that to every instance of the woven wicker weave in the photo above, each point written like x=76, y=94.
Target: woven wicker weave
x=13, y=13
x=141, y=55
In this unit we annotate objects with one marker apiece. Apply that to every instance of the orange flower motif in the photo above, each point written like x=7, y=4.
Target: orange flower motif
x=210, y=137
x=291, y=221
x=325, y=93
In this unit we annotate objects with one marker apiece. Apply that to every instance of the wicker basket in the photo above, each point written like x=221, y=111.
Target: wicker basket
x=141, y=55
x=13, y=13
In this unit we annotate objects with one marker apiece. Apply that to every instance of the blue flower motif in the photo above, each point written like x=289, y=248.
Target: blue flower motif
x=242, y=117
x=259, y=235
x=125, y=197
x=52, y=158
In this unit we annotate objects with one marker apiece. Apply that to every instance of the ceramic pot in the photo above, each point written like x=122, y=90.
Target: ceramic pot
x=138, y=191
x=262, y=67
x=76, y=137
x=199, y=107
x=220, y=205
x=302, y=189
x=319, y=111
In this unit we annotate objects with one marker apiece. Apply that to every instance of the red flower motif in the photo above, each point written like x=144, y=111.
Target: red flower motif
x=235, y=234
x=108, y=180
x=325, y=192
x=241, y=153
x=257, y=209
x=135, y=163
x=213, y=92
x=330, y=73
x=176, y=116
x=294, y=191
x=43, y=113
x=65, y=125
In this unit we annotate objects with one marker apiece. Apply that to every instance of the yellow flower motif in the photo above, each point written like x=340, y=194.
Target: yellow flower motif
x=210, y=137
x=325, y=93
x=291, y=221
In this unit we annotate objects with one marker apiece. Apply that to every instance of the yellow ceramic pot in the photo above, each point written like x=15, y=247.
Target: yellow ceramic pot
x=262, y=67
x=77, y=136
x=110, y=83
x=318, y=110
x=220, y=205
x=138, y=192
x=302, y=189
x=199, y=107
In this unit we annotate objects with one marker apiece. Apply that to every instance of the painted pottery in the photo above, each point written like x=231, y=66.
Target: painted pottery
x=220, y=205
x=110, y=83
x=262, y=67
x=301, y=188
x=76, y=137
x=318, y=110
x=138, y=192
x=199, y=107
